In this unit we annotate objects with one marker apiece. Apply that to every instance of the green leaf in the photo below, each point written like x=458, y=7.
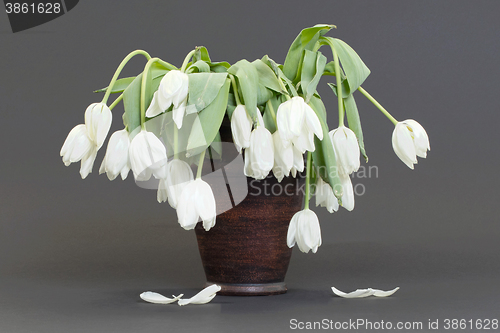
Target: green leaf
x=156, y=70
x=119, y=86
x=248, y=79
x=200, y=65
x=204, y=87
x=324, y=158
x=317, y=104
x=313, y=66
x=201, y=53
x=344, y=86
x=279, y=73
x=216, y=146
x=306, y=40
x=267, y=77
x=132, y=105
x=355, y=69
x=208, y=123
x=219, y=67
x=354, y=122
x=263, y=94
x=269, y=120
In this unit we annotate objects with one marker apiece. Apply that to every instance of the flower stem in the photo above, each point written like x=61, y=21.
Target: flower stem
x=377, y=104
x=235, y=90
x=200, y=164
x=143, y=90
x=186, y=60
x=119, y=69
x=116, y=101
x=271, y=109
x=339, y=86
x=308, y=176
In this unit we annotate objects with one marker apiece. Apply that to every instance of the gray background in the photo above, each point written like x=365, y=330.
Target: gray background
x=75, y=255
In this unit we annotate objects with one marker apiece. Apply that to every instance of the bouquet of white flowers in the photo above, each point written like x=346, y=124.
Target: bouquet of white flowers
x=173, y=115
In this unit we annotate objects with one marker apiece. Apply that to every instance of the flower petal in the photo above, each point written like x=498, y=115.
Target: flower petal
x=156, y=298
x=203, y=297
x=403, y=145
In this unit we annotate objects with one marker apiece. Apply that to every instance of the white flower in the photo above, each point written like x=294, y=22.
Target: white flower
x=410, y=140
x=283, y=157
x=196, y=201
x=116, y=161
x=98, y=119
x=290, y=117
x=325, y=196
x=298, y=162
x=241, y=127
x=297, y=123
x=147, y=156
x=259, y=156
x=179, y=175
x=348, y=192
x=203, y=297
x=83, y=141
x=346, y=149
x=305, y=231
x=173, y=90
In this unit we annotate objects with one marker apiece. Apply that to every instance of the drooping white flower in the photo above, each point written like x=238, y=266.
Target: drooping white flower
x=116, y=161
x=241, y=127
x=83, y=141
x=259, y=156
x=173, y=90
x=147, y=156
x=283, y=157
x=203, y=297
x=346, y=149
x=298, y=123
x=154, y=108
x=325, y=196
x=98, y=119
x=410, y=140
x=304, y=230
x=76, y=146
x=179, y=175
x=290, y=117
x=310, y=127
x=196, y=201
x=348, y=192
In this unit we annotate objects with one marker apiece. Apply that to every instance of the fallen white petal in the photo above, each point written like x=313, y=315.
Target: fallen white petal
x=360, y=293
x=203, y=297
x=156, y=298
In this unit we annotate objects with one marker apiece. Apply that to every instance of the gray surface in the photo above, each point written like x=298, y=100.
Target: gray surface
x=75, y=255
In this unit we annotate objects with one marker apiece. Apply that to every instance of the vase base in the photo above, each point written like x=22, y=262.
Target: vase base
x=259, y=289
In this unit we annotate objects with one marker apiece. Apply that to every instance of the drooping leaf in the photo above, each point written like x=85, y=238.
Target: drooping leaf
x=201, y=53
x=270, y=113
x=306, y=40
x=132, y=105
x=324, y=158
x=263, y=94
x=313, y=66
x=344, y=86
x=203, y=88
x=219, y=67
x=200, y=65
x=354, y=68
x=156, y=70
x=354, y=122
x=267, y=77
x=248, y=80
x=119, y=86
x=317, y=104
x=208, y=122
x=279, y=73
